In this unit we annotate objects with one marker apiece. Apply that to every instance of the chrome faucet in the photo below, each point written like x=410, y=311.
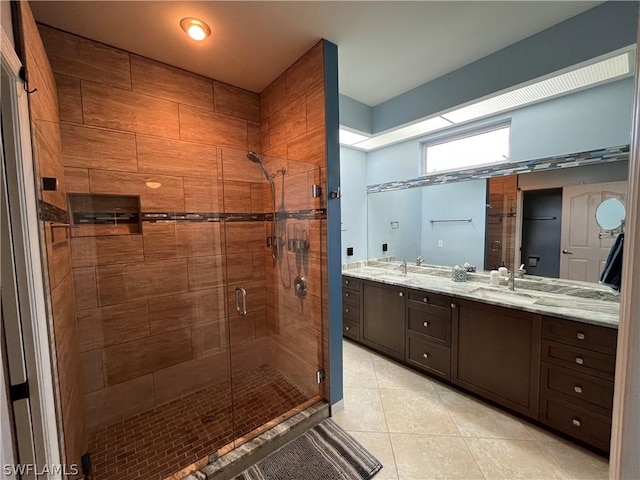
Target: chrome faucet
x=419, y=260
x=511, y=281
x=403, y=266
x=521, y=271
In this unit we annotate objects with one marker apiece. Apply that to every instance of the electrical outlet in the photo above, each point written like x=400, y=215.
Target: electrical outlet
x=440, y=244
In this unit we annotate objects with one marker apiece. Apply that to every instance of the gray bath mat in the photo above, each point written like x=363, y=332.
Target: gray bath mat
x=325, y=452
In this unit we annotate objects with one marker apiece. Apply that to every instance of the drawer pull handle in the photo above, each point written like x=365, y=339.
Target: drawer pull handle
x=576, y=422
x=346, y=294
x=577, y=389
x=425, y=355
x=453, y=305
x=347, y=328
x=346, y=310
x=425, y=299
x=346, y=282
x=425, y=324
x=400, y=294
x=579, y=360
x=580, y=336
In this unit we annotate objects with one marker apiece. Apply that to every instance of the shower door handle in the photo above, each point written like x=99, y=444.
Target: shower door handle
x=241, y=301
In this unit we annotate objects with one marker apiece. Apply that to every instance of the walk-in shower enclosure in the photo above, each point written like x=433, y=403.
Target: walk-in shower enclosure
x=176, y=332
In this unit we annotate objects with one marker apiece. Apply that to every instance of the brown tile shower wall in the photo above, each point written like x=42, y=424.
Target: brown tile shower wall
x=47, y=154
x=293, y=136
x=152, y=307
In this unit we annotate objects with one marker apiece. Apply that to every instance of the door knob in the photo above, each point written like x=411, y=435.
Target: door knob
x=567, y=252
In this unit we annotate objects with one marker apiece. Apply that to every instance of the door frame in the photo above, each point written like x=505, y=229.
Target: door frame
x=25, y=233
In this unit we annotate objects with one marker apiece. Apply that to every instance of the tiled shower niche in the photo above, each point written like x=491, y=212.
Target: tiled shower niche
x=102, y=214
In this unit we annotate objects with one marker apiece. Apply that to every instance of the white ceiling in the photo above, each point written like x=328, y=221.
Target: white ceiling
x=385, y=48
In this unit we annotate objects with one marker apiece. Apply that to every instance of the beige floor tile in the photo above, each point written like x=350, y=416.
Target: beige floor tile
x=362, y=411
x=392, y=376
x=514, y=459
x=421, y=457
x=542, y=435
x=379, y=445
x=359, y=372
x=408, y=411
x=580, y=464
x=477, y=419
x=351, y=351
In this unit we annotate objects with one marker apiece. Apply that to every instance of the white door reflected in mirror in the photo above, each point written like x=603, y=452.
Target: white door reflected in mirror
x=610, y=214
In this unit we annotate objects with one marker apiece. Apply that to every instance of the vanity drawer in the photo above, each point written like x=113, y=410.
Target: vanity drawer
x=588, y=391
x=351, y=283
x=351, y=313
x=583, y=335
x=578, y=422
x=428, y=298
x=580, y=359
x=350, y=297
x=431, y=320
x=428, y=356
x=351, y=330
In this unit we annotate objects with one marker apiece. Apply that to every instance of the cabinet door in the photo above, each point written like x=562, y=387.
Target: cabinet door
x=383, y=318
x=496, y=354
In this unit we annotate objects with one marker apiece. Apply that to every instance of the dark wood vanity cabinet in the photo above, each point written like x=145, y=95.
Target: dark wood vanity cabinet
x=496, y=354
x=428, y=332
x=556, y=371
x=383, y=318
x=351, y=307
x=576, y=382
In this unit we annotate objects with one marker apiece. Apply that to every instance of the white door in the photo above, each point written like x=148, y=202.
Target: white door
x=583, y=251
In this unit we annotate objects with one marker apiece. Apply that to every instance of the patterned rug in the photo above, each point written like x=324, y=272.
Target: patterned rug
x=326, y=452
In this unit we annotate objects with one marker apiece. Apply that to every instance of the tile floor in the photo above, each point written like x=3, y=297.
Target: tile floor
x=159, y=442
x=420, y=428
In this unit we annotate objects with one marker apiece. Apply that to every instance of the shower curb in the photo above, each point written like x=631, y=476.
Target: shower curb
x=234, y=462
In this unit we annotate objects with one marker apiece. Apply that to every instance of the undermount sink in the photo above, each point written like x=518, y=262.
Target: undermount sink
x=508, y=295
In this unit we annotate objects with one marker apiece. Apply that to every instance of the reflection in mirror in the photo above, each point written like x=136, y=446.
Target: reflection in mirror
x=501, y=222
x=610, y=214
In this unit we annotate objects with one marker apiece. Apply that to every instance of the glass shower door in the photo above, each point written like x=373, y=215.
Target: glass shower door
x=274, y=326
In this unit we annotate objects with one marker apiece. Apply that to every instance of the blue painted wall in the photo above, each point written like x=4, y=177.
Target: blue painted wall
x=404, y=207
x=353, y=184
x=396, y=162
x=462, y=242
x=334, y=389
x=590, y=119
x=597, y=31
x=355, y=114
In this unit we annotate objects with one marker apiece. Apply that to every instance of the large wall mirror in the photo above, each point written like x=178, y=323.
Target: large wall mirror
x=556, y=223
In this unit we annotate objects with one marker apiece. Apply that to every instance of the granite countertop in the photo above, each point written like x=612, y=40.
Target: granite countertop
x=580, y=301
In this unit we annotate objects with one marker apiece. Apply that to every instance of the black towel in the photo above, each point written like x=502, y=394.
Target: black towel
x=612, y=273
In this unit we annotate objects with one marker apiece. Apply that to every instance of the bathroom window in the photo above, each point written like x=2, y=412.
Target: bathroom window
x=486, y=147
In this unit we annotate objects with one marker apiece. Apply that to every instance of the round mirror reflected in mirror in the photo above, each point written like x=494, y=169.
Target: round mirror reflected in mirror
x=610, y=213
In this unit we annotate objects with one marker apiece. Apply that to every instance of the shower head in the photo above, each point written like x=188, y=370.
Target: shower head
x=256, y=159
x=253, y=157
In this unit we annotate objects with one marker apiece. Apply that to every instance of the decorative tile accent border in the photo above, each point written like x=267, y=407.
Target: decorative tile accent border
x=605, y=155
x=313, y=214
x=104, y=218
x=50, y=213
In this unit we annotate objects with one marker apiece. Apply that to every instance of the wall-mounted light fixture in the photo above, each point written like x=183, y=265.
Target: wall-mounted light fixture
x=153, y=184
x=195, y=28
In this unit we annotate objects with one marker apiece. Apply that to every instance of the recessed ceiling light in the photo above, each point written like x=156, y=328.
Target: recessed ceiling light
x=195, y=28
